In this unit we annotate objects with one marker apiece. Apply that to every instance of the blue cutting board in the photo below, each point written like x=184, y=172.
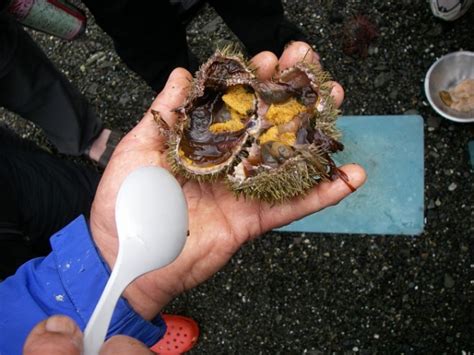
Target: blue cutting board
x=391, y=149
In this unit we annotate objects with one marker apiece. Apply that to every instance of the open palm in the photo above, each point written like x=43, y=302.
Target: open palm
x=218, y=222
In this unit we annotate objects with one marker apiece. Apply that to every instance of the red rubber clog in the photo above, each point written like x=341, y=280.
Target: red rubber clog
x=181, y=335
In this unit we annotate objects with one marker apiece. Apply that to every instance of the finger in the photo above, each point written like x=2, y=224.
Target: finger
x=171, y=97
x=125, y=345
x=297, y=52
x=301, y=51
x=337, y=92
x=55, y=335
x=323, y=195
x=265, y=64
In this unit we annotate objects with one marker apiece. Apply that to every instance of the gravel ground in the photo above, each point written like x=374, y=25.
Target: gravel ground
x=312, y=293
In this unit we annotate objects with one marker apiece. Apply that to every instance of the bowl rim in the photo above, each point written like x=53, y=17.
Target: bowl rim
x=428, y=94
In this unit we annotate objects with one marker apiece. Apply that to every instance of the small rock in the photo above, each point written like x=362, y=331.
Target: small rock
x=124, y=99
x=453, y=186
x=106, y=64
x=381, y=67
x=431, y=205
x=438, y=202
x=92, y=89
x=373, y=50
x=433, y=121
x=95, y=57
x=212, y=25
x=381, y=79
x=411, y=112
x=448, y=281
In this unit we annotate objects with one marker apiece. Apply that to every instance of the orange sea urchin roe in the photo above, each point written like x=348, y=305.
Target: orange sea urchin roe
x=239, y=99
x=272, y=135
x=288, y=138
x=233, y=125
x=239, y=102
x=283, y=113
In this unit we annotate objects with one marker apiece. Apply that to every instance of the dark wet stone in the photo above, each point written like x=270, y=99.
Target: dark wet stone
x=382, y=79
x=92, y=89
x=448, y=281
x=433, y=121
x=411, y=112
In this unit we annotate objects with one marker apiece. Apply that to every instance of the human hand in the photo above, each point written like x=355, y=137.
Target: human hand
x=60, y=335
x=219, y=224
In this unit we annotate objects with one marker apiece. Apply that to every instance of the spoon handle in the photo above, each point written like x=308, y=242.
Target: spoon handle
x=96, y=330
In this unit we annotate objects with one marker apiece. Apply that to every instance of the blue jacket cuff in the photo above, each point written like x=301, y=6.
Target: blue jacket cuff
x=84, y=275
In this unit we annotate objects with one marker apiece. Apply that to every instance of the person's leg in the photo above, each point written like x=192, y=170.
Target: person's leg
x=259, y=24
x=14, y=247
x=148, y=36
x=40, y=195
x=32, y=87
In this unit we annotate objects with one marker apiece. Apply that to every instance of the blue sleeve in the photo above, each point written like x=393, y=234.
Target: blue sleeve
x=68, y=281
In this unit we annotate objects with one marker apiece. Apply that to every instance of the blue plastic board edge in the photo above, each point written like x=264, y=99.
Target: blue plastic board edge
x=391, y=202
x=471, y=152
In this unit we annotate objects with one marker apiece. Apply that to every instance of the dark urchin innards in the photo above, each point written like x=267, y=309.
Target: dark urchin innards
x=267, y=140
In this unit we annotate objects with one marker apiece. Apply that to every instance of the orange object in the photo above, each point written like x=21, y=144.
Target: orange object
x=181, y=335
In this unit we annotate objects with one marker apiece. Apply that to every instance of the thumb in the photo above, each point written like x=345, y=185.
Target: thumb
x=168, y=100
x=54, y=336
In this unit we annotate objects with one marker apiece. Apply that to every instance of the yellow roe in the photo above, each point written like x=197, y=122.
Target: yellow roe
x=270, y=135
x=282, y=113
x=239, y=99
x=288, y=138
x=228, y=126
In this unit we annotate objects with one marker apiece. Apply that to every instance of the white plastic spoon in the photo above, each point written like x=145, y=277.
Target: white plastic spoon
x=152, y=223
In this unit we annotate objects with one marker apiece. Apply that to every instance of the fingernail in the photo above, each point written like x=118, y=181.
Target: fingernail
x=62, y=325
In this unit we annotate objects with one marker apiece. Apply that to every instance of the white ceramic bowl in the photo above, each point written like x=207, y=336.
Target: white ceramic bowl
x=445, y=73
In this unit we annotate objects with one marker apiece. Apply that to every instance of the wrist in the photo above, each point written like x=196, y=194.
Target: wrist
x=138, y=292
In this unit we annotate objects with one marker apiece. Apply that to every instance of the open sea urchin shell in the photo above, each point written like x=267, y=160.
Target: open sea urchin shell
x=269, y=140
